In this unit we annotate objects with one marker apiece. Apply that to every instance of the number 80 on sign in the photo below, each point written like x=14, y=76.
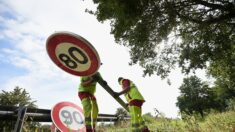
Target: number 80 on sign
x=73, y=54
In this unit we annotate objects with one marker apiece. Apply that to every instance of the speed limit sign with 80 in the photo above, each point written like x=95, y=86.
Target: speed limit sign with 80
x=73, y=54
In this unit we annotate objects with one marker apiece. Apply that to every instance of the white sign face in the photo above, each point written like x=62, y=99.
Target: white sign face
x=68, y=117
x=73, y=57
x=71, y=118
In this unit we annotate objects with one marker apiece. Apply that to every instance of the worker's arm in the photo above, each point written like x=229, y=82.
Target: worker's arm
x=125, y=86
x=124, y=91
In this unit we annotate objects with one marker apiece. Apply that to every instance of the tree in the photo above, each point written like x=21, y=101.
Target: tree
x=193, y=32
x=121, y=114
x=224, y=94
x=195, y=97
x=224, y=73
x=17, y=97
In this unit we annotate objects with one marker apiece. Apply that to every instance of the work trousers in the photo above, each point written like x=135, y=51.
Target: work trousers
x=138, y=124
x=90, y=111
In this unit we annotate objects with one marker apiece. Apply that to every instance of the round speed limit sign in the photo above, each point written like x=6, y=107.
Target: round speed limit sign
x=73, y=53
x=68, y=117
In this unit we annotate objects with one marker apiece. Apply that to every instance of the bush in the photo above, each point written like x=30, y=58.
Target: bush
x=231, y=104
x=222, y=122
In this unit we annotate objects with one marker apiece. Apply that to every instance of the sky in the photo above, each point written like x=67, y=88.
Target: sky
x=25, y=26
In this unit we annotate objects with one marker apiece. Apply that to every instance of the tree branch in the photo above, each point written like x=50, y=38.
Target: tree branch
x=208, y=21
x=214, y=6
x=220, y=18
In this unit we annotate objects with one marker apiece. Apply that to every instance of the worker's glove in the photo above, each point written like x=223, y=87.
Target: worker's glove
x=95, y=77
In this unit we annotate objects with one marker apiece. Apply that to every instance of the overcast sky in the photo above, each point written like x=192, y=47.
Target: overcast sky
x=24, y=28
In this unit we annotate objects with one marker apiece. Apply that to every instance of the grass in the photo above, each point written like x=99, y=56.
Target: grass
x=214, y=122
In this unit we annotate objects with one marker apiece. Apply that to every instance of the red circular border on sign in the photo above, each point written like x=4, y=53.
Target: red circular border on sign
x=57, y=38
x=55, y=116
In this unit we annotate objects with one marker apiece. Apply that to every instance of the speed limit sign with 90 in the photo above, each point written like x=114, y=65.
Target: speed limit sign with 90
x=68, y=117
x=73, y=53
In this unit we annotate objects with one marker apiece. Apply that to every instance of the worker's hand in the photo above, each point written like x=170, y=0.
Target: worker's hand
x=95, y=77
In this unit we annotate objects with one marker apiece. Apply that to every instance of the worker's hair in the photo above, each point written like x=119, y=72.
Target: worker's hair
x=120, y=78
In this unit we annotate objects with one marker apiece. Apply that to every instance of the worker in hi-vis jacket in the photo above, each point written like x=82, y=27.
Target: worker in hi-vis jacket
x=135, y=101
x=86, y=91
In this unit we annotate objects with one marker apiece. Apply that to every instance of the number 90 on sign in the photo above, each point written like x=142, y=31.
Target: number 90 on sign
x=71, y=118
x=68, y=117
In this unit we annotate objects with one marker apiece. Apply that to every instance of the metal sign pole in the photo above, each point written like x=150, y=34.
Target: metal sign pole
x=111, y=92
x=20, y=119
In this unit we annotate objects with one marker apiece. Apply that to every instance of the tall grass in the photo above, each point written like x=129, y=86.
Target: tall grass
x=214, y=122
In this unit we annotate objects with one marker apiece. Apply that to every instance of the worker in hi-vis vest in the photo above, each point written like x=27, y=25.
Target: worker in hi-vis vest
x=86, y=92
x=135, y=101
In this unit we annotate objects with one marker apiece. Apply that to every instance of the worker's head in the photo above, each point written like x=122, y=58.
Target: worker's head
x=120, y=79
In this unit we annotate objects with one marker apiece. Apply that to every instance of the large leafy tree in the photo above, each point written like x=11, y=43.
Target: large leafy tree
x=17, y=97
x=195, y=97
x=163, y=33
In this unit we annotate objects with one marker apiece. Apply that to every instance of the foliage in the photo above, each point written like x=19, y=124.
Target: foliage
x=231, y=104
x=148, y=118
x=17, y=97
x=197, y=31
x=196, y=96
x=214, y=122
x=223, y=94
x=121, y=113
x=220, y=122
x=44, y=128
x=114, y=128
x=224, y=70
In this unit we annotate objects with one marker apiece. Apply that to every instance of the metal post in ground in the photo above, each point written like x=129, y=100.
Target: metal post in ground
x=20, y=119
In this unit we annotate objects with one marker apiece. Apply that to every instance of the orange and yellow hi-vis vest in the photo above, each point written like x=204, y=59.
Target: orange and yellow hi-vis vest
x=133, y=93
